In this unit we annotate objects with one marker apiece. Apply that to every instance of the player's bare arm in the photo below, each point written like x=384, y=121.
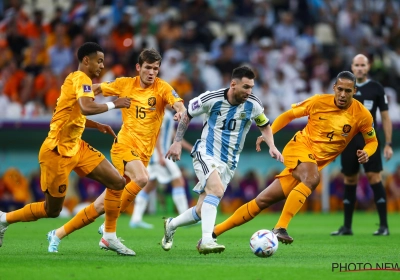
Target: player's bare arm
x=101, y=127
x=280, y=122
x=97, y=89
x=179, y=108
x=175, y=150
x=89, y=107
x=387, y=129
x=268, y=137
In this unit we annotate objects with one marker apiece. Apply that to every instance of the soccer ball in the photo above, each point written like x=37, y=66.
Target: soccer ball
x=264, y=243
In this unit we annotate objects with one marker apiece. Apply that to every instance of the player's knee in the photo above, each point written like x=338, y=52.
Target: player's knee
x=53, y=213
x=141, y=181
x=118, y=184
x=312, y=181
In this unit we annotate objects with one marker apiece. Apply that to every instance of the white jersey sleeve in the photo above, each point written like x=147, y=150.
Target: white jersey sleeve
x=204, y=102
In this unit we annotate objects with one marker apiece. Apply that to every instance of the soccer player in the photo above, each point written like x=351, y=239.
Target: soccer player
x=372, y=96
x=228, y=116
x=162, y=171
x=63, y=151
x=333, y=120
x=136, y=140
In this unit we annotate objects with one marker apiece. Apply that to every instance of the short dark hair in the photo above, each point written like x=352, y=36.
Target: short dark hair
x=243, y=71
x=87, y=49
x=346, y=75
x=149, y=56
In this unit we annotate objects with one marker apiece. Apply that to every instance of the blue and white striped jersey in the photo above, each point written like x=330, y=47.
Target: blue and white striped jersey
x=225, y=126
x=165, y=136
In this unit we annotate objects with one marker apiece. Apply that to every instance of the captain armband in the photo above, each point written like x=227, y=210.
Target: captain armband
x=261, y=120
x=370, y=134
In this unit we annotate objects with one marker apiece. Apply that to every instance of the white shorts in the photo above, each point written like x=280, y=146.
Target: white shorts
x=164, y=174
x=204, y=165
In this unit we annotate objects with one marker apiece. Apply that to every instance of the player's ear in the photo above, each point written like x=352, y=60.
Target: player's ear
x=137, y=67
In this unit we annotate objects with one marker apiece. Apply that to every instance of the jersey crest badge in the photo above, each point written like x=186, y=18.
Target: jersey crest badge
x=151, y=101
x=242, y=115
x=346, y=130
x=87, y=88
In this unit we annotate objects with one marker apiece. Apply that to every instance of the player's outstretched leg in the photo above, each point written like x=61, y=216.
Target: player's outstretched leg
x=168, y=238
x=210, y=247
x=282, y=235
x=54, y=241
x=3, y=226
x=115, y=244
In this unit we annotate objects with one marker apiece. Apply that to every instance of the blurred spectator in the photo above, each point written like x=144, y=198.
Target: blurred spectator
x=183, y=86
x=393, y=188
x=36, y=29
x=14, y=190
x=60, y=56
x=285, y=31
x=249, y=186
x=336, y=190
x=172, y=65
x=89, y=189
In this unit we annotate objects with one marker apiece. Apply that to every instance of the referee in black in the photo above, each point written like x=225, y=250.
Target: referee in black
x=372, y=95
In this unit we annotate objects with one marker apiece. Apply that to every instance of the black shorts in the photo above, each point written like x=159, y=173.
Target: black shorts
x=349, y=159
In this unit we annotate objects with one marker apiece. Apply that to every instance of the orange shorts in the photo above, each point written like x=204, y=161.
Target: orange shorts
x=55, y=168
x=295, y=153
x=121, y=154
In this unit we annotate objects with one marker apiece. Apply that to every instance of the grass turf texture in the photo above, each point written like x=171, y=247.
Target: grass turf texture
x=24, y=253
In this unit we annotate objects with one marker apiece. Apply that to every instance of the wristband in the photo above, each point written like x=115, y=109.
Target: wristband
x=110, y=105
x=389, y=144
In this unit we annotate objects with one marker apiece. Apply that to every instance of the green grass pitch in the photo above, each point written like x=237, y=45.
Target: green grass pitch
x=24, y=253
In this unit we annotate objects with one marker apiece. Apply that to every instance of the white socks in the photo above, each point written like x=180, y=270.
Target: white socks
x=180, y=199
x=188, y=217
x=141, y=202
x=209, y=214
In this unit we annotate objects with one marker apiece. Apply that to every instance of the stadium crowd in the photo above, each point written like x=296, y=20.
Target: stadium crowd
x=297, y=47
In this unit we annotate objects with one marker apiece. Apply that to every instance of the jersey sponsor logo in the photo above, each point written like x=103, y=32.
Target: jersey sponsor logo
x=87, y=88
x=369, y=104
x=62, y=188
x=311, y=156
x=195, y=105
x=175, y=94
x=151, y=101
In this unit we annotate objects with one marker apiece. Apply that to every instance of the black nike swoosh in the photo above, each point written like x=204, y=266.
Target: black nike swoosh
x=322, y=119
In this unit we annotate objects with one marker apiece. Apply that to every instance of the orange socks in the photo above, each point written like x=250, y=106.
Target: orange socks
x=112, y=207
x=30, y=212
x=242, y=215
x=294, y=202
x=84, y=217
x=129, y=194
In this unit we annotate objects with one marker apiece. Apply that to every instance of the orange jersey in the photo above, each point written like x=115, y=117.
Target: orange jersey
x=68, y=123
x=142, y=121
x=330, y=129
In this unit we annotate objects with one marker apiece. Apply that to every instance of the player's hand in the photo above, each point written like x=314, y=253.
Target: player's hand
x=122, y=102
x=387, y=152
x=362, y=156
x=260, y=139
x=178, y=116
x=106, y=129
x=276, y=154
x=174, y=152
x=161, y=161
